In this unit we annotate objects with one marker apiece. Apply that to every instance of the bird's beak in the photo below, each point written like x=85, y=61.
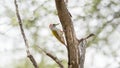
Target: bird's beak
x=57, y=24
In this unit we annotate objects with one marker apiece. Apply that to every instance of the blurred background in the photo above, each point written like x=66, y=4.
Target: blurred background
x=101, y=17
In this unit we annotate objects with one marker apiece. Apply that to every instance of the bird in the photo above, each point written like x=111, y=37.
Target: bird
x=58, y=33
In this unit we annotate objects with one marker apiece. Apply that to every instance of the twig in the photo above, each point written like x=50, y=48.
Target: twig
x=53, y=57
x=24, y=37
x=90, y=35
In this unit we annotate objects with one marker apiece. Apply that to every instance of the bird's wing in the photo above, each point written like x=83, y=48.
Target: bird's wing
x=59, y=36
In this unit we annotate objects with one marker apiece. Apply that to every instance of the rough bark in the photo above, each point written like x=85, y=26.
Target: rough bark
x=72, y=42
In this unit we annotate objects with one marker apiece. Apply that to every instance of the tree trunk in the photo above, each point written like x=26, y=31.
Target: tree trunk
x=72, y=42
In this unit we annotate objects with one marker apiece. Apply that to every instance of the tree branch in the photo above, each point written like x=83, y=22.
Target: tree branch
x=90, y=35
x=24, y=37
x=53, y=57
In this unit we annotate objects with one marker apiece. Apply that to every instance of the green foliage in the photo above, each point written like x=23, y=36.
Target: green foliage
x=14, y=21
x=95, y=6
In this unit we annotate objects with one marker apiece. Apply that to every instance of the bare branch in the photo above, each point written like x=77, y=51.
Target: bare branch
x=90, y=35
x=33, y=61
x=24, y=37
x=53, y=57
x=21, y=26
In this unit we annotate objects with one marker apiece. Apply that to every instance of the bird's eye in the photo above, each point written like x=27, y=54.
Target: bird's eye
x=53, y=24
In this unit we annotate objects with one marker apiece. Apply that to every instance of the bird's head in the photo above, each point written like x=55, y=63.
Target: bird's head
x=52, y=26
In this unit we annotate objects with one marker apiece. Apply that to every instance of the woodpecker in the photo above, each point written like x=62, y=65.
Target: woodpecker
x=57, y=33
